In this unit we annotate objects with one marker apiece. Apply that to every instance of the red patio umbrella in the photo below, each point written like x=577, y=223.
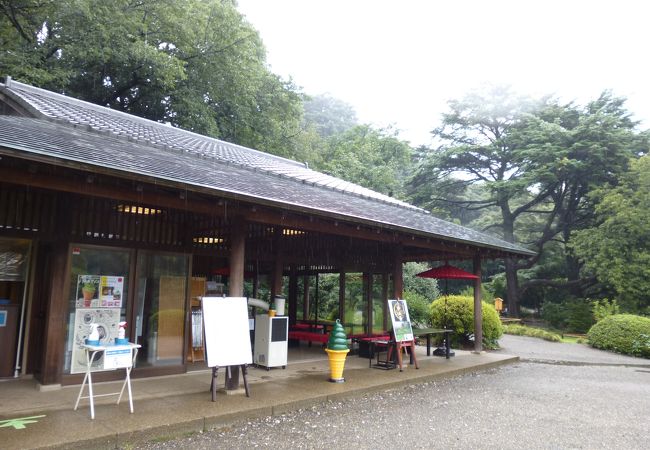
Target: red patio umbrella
x=446, y=272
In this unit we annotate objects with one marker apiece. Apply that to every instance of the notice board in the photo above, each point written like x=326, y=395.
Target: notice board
x=225, y=324
x=399, y=314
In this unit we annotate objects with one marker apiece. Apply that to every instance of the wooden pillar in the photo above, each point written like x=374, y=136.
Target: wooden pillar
x=57, y=302
x=342, y=296
x=367, y=298
x=57, y=309
x=398, y=277
x=278, y=266
x=256, y=279
x=237, y=257
x=305, y=298
x=384, y=296
x=293, y=295
x=276, y=281
x=236, y=282
x=478, y=307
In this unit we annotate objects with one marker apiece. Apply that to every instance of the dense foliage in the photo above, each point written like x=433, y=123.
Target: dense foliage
x=376, y=159
x=622, y=333
x=617, y=250
x=418, y=306
x=572, y=315
x=457, y=312
x=196, y=64
x=604, y=308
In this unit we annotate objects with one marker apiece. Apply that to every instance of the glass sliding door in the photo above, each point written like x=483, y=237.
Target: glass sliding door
x=356, y=317
x=160, y=308
x=98, y=295
x=14, y=261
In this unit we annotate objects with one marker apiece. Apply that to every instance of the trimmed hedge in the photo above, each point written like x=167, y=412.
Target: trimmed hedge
x=622, y=333
x=459, y=315
x=521, y=330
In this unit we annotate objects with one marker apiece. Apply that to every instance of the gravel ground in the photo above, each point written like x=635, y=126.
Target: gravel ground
x=525, y=405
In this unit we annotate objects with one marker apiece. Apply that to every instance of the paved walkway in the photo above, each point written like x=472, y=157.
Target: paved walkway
x=175, y=405
x=533, y=349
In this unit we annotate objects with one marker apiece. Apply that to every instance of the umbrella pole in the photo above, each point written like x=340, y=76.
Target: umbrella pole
x=316, y=312
x=442, y=349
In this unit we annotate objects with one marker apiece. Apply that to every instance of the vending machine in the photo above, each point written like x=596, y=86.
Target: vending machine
x=271, y=341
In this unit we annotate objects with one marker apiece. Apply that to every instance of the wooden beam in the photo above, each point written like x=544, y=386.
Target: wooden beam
x=94, y=189
x=250, y=212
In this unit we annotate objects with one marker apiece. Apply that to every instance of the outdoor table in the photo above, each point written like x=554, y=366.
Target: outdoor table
x=115, y=357
x=428, y=332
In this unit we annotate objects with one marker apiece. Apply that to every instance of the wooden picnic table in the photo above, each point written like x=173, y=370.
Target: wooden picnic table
x=428, y=332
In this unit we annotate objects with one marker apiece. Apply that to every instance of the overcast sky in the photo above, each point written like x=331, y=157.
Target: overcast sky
x=398, y=62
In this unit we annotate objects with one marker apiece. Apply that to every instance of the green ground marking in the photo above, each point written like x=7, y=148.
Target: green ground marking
x=19, y=423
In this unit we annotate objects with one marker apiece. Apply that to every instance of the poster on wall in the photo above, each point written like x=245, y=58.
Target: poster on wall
x=107, y=320
x=399, y=314
x=99, y=291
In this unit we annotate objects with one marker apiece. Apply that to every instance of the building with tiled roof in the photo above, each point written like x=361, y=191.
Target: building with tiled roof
x=90, y=192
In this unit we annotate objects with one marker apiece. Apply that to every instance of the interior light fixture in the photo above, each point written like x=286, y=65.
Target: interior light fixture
x=207, y=240
x=291, y=232
x=142, y=210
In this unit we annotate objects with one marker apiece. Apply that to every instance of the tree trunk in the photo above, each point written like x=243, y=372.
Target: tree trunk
x=512, y=285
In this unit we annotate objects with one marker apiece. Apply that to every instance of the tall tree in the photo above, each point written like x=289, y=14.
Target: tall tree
x=376, y=159
x=196, y=64
x=329, y=115
x=536, y=160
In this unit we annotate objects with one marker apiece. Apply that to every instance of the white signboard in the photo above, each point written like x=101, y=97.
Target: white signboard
x=227, y=337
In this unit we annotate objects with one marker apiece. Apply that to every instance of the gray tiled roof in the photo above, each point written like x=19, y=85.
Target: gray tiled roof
x=222, y=167
x=77, y=112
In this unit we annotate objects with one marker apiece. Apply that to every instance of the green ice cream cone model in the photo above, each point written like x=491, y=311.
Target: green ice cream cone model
x=337, y=349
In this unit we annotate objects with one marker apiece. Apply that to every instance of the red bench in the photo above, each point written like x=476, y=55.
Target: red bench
x=308, y=336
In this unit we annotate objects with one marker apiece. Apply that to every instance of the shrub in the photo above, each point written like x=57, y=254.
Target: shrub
x=521, y=330
x=457, y=312
x=622, y=333
x=418, y=309
x=604, y=308
x=573, y=315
